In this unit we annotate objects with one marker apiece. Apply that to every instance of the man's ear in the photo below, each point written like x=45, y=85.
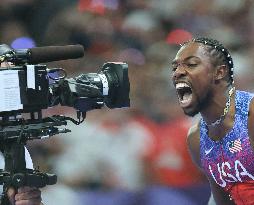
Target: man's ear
x=221, y=72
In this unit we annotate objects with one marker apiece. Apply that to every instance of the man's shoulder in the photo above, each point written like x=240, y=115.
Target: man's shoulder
x=193, y=131
x=251, y=107
x=193, y=142
x=251, y=121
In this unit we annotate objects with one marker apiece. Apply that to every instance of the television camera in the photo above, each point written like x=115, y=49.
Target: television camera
x=29, y=87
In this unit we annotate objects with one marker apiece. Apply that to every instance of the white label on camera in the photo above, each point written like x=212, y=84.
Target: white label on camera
x=30, y=76
x=9, y=91
x=104, y=84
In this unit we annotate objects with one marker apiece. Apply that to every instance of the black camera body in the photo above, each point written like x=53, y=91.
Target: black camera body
x=38, y=90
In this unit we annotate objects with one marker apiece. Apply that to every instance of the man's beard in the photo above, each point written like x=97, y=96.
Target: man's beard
x=201, y=104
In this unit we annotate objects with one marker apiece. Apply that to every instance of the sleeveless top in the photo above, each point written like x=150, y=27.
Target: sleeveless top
x=230, y=161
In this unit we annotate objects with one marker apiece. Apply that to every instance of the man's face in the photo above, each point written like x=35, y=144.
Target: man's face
x=193, y=77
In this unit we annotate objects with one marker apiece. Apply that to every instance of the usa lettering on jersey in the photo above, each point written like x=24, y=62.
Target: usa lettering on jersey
x=238, y=170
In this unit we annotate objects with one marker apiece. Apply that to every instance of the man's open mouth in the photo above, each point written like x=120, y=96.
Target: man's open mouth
x=184, y=93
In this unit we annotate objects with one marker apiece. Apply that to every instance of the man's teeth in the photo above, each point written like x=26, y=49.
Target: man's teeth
x=182, y=85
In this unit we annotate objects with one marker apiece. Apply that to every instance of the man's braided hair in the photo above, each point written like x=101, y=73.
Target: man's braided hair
x=218, y=51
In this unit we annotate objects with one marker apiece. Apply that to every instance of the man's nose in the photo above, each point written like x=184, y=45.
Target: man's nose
x=179, y=72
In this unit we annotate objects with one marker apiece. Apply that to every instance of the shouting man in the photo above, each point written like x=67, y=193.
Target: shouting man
x=222, y=142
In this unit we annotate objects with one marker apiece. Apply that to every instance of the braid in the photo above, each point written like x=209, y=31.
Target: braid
x=218, y=51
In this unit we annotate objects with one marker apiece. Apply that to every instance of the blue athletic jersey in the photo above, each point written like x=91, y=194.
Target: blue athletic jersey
x=231, y=159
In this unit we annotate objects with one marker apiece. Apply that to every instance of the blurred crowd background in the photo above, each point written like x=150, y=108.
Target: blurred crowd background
x=136, y=155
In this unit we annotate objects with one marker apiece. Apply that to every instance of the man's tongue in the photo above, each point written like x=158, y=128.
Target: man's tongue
x=186, y=99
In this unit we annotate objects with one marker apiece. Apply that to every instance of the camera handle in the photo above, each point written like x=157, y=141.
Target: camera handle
x=16, y=174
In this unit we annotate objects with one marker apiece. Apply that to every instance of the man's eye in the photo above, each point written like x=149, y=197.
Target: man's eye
x=174, y=68
x=192, y=64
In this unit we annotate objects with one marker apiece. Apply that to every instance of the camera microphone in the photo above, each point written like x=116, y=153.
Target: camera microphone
x=44, y=54
x=54, y=53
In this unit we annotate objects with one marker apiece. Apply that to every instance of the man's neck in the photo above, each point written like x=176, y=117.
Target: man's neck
x=218, y=106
